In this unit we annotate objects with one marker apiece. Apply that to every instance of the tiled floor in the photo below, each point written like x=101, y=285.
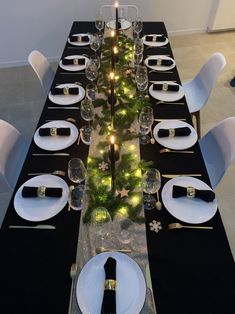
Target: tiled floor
x=22, y=99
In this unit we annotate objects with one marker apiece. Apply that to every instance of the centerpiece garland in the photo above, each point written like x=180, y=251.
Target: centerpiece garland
x=127, y=200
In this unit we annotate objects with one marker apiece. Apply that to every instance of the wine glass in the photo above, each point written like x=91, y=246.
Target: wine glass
x=101, y=224
x=99, y=23
x=145, y=123
x=138, y=26
x=91, y=91
x=76, y=170
x=77, y=197
x=124, y=229
x=141, y=78
x=151, y=183
x=91, y=70
x=138, y=46
x=87, y=110
x=95, y=42
x=96, y=59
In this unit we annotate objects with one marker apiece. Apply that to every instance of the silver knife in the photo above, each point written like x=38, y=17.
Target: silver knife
x=53, y=154
x=160, y=120
x=170, y=176
x=49, y=227
x=149, y=285
x=71, y=108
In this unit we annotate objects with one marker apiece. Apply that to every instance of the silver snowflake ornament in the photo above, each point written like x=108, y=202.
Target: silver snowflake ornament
x=103, y=166
x=155, y=226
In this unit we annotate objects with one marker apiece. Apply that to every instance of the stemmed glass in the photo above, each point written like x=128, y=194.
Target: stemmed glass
x=99, y=23
x=141, y=78
x=91, y=70
x=76, y=170
x=101, y=223
x=138, y=51
x=138, y=26
x=95, y=42
x=87, y=110
x=146, y=119
x=151, y=183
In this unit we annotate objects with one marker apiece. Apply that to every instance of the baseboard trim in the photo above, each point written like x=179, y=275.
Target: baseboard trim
x=187, y=31
x=20, y=63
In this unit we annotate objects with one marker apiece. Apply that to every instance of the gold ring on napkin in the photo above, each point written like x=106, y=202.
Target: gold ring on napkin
x=165, y=87
x=66, y=90
x=53, y=131
x=190, y=192
x=159, y=62
x=171, y=132
x=75, y=62
x=110, y=284
x=41, y=191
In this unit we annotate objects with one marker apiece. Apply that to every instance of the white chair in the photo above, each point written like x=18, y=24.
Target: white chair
x=42, y=68
x=198, y=90
x=127, y=11
x=13, y=149
x=218, y=149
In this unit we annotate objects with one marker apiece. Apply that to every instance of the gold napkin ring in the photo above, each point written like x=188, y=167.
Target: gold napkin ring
x=41, y=191
x=79, y=38
x=165, y=87
x=154, y=38
x=159, y=62
x=171, y=132
x=190, y=192
x=53, y=131
x=75, y=62
x=66, y=91
x=110, y=284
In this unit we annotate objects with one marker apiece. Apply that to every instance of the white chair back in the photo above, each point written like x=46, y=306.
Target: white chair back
x=42, y=68
x=197, y=91
x=13, y=149
x=128, y=12
x=218, y=149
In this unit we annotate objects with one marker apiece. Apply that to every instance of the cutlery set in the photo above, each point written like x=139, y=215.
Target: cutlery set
x=47, y=227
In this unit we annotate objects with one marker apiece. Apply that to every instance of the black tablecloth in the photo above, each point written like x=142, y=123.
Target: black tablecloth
x=192, y=272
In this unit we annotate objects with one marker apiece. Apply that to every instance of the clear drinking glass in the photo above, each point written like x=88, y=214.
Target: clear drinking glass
x=124, y=229
x=96, y=59
x=151, y=183
x=141, y=78
x=146, y=119
x=95, y=42
x=77, y=197
x=138, y=46
x=91, y=91
x=86, y=131
x=101, y=225
x=87, y=110
x=137, y=26
x=76, y=170
x=99, y=22
x=91, y=70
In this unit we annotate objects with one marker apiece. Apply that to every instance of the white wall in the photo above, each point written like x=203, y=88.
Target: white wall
x=44, y=24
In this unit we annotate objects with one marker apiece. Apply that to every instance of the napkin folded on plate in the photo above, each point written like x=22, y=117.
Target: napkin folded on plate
x=166, y=87
x=109, y=298
x=183, y=131
x=153, y=38
x=65, y=91
x=160, y=62
x=75, y=61
x=79, y=38
x=205, y=195
x=31, y=191
x=54, y=131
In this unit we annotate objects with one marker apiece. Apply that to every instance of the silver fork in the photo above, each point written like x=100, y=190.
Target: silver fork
x=167, y=150
x=73, y=273
x=56, y=172
x=168, y=103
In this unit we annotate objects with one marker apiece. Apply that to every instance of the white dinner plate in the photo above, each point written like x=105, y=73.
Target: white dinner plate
x=155, y=43
x=158, y=67
x=131, y=287
x=38, y=208
x=66, y=100
x=124, y=24
x=168, y=96
x=176, y=142
x=190, y=210
x=81, y=43
x=72, y=67
x=54, y=143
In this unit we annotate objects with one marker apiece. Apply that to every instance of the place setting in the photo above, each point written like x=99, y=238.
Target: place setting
x=155, y=40
x=56, y=135
x=166, y=91
x=66, y=94
x=74, y=63
x=160, y=63
x=79, y=40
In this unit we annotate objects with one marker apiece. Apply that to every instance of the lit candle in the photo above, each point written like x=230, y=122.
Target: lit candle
x=114, y=56
x=112, y=93
x=116, y=11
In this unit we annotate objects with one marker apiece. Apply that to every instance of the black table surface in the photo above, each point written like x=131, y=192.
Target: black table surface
x=192, y=271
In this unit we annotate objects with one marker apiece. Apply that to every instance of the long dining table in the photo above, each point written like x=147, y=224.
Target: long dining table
x=192, y=271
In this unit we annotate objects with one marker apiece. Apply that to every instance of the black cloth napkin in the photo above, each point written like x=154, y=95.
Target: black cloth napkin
x=109, y=298
x=170, y=87
x=31, y=191
x=164, y=62
x=205, y=195
x=60, y=131
x=184, y=131
x=159, y=38
x=79, y=38
x=60, y=91
x=81, y=61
